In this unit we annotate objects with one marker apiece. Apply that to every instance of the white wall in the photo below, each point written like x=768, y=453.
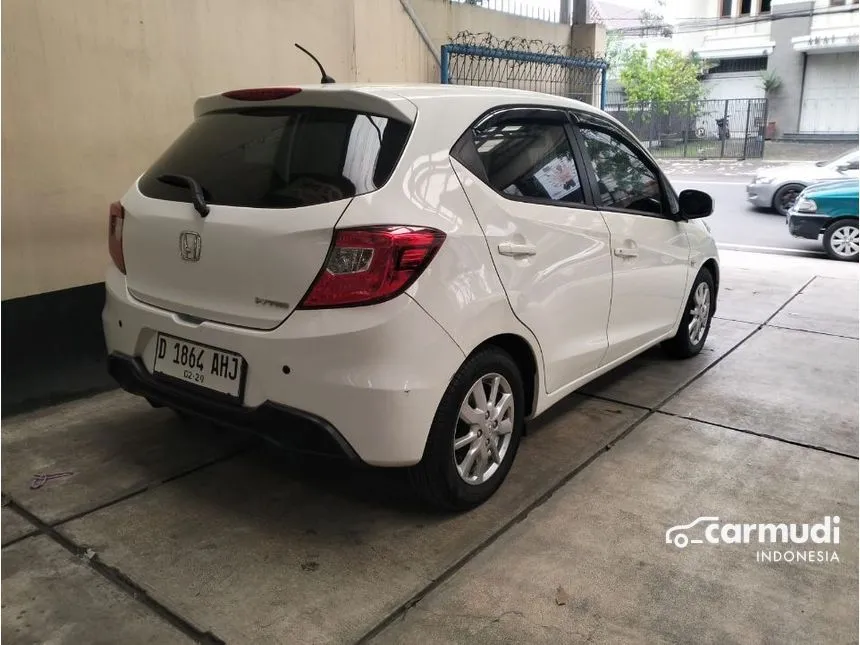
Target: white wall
x=687, y=9
x=830, y=94
x=743, y=85
x=94, y=90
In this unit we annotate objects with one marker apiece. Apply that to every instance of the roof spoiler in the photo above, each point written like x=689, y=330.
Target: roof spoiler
x=379, y=101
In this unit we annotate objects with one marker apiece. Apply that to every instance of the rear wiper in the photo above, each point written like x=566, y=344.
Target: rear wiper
x=197, y=195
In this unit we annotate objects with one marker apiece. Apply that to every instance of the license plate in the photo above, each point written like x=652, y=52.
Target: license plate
x=207, y=367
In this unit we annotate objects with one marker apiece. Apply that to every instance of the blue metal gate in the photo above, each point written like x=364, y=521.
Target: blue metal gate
x=482, y=59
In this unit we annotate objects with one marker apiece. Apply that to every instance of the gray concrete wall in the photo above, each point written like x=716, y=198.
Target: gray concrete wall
x=784, y=105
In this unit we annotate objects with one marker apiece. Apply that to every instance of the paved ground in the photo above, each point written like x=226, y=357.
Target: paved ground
x=735, y=224
x=792, y=150
x=171, y=534
x=776, y=152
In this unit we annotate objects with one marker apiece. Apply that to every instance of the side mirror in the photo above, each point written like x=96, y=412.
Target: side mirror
x=695, y=204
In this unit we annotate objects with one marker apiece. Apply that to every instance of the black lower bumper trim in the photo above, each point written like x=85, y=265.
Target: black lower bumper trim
x=806, y=226
x=294, y=429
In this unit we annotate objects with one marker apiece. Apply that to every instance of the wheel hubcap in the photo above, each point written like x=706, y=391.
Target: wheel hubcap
x=846, y=241
x=699, y=313
x=484, y=426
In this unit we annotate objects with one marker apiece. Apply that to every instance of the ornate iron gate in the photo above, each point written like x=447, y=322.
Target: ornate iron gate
x=708, y=129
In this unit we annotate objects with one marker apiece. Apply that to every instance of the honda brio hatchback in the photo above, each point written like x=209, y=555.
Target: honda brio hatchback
x=400, y=274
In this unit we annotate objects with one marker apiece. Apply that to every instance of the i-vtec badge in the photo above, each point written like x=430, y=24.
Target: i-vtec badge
x=271, y=303
x=189, y=246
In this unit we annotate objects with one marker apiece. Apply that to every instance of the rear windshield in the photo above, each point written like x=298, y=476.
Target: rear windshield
x=280, y=158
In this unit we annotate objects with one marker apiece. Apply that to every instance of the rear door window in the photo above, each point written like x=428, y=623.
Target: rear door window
x=280, y=157
x=529, y=158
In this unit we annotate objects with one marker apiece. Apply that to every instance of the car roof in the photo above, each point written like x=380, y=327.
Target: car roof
x=422, y=94
x=442, y=112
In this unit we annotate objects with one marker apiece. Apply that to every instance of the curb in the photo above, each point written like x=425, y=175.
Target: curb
x=737, y=161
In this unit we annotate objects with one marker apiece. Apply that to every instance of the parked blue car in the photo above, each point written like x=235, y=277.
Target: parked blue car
x=829, y=209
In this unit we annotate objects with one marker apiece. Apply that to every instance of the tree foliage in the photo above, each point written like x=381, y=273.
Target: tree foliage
x=667, y=77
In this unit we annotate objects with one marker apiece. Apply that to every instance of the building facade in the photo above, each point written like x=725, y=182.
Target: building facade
x=808, y=48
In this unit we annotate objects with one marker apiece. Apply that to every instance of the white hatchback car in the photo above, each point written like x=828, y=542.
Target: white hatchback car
x=403, y=274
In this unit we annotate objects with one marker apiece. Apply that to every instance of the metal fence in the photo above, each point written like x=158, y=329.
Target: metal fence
x=482, y=59
x=707, y=129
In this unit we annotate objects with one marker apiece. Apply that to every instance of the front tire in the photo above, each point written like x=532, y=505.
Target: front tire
x=842, y=240
x=475, y=434
x=696, y=321
x=785, y=197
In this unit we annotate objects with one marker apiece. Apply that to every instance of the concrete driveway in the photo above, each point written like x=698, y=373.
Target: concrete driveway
x=164, y=533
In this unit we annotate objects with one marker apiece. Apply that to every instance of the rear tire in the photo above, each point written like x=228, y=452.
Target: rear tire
x=445, y=478
x=841, y=240
x=696, y=321
x=785, y=197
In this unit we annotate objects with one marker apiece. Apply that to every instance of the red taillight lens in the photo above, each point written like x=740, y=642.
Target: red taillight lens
x=115, y=224
x=262, y=93
x=371, y=265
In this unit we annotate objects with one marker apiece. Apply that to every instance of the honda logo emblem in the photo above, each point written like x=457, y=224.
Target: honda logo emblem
x=189, y=246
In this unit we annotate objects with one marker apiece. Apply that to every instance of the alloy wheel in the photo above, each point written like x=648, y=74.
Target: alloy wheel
x=701, y=308
x=845, y=241
x=483, y=432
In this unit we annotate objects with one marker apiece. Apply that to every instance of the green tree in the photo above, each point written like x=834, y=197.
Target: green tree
x=667, y=77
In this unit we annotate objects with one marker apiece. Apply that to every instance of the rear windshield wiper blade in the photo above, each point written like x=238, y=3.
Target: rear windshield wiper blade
x=197, y=194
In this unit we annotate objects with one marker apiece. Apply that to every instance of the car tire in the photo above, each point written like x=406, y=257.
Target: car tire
x=785, y=197
x=440, y=479
x=842, y=240
x=696, y=321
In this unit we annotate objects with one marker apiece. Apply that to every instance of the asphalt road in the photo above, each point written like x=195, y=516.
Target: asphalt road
x=737, y=225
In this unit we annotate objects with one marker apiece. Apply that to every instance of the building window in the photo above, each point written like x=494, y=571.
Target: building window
x=725, y=8
x=764, y=7
x=746, y=7
x=736, y=65
x=837, y=3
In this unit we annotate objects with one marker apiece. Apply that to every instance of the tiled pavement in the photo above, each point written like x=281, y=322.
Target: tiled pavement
x=167, y=533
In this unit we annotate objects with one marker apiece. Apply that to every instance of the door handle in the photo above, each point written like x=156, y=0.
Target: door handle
x=509, y=248
x=623, y=252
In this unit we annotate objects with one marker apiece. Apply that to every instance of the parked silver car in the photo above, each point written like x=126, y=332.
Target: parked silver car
x=777, y=187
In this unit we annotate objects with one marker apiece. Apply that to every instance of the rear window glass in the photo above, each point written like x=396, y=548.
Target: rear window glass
x=280, y=158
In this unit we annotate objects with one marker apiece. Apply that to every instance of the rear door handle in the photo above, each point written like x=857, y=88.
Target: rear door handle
x=623, y=252
x=509, y=248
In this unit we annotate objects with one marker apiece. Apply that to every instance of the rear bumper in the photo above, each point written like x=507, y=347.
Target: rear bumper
x=369, y=378
x=307, y=432
x=806, y=226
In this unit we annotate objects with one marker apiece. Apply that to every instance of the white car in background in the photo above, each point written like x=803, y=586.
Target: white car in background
x=777, y=187
x=401, y=274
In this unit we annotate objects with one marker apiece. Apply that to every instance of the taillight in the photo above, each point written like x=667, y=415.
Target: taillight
x=262, y=93
x=115, y=223
x=371, y=265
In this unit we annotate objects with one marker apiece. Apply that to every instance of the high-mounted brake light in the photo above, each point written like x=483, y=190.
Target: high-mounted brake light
x=116, y=219
x=371, y=265
x=262, y=93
